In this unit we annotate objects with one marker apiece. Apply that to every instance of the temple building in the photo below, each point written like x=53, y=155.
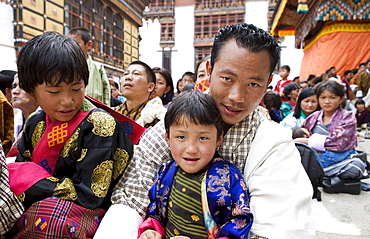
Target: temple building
x=176, y=34
x=114, y=25
x=331, y=32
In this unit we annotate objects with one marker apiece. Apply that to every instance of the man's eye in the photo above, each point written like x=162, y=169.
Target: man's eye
x=180, y=137
x=77, y=89
x=254, y=84
x=226, y=78
x=203, y=138
x=53, y=92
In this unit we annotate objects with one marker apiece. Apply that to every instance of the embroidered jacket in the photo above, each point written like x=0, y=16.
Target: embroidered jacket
x=88, y=166
x=342, y=131
x=229, y=214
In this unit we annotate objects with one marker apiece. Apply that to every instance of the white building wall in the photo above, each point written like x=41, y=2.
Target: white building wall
x=149, y=48
x=183, y=58
x=7, y=51
x=256, y=13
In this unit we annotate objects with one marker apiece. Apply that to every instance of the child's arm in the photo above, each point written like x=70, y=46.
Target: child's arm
x=240, y=221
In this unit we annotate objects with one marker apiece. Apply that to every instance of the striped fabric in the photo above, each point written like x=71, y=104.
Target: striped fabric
x=57, y=218
x=11, y=208
x=185, y=215
x=133, y=114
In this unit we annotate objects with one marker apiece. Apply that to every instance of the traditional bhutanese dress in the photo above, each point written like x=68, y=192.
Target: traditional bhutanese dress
x=76, y=163
x=209, y=204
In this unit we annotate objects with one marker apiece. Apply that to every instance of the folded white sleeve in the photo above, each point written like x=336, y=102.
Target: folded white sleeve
x=120, y=221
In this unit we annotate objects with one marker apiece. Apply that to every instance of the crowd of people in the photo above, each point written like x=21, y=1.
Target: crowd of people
x=206, y=165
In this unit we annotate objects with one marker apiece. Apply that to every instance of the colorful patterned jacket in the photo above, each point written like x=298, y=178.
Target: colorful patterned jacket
x=229, y=213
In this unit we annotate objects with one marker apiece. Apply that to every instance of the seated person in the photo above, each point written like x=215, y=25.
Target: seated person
x=306, y=105
x=23, y=101
x=196, y=187
x=76, y=153
x=137, y=84
x=334, y=136
x=362, y=114
x=289, y=99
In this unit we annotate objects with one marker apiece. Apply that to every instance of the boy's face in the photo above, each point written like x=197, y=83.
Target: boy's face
x=283, y=73
x=193, y=145
x=360, y=107
x=61, y=102
x=85, y=47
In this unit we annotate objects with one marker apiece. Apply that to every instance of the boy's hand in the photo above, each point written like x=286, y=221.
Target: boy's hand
x=151, y=234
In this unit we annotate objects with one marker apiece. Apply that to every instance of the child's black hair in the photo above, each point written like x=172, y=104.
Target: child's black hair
x=51, y=58
x=195, y=106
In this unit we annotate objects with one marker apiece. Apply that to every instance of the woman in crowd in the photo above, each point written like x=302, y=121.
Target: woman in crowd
x=291, y=92
x=306, y=104
x=333, y=135
x=163, y=87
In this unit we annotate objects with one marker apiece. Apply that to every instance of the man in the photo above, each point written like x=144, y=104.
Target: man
x=137, y=84
x=242, y=61
x=98, y=86
x=364, y=80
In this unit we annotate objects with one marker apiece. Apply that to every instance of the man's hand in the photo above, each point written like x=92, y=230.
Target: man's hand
x=151, y=234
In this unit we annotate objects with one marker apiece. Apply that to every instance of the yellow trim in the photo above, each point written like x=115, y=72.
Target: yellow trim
x=340, y=27
x=283, y=33
x=277, y=16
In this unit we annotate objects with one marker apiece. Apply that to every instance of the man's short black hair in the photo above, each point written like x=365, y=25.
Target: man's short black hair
x=48, y=55
x=249, y=37
x=195, y=106
x=83, y=32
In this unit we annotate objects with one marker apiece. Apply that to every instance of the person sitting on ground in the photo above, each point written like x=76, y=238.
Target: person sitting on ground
x=272, y=102
x=242, y=61
x=362, y=114
x=98, y=86
x=202, y=82
x=306, y=105
x=289, y=100
x=194, y=132
x=284, y=72
x=23, y=101
x=163, y=86
x=6, y=80
x=137, y=84
x=334, y=136
x=76, y=152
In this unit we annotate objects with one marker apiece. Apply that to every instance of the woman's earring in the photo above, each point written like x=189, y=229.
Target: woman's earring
x=164, y=96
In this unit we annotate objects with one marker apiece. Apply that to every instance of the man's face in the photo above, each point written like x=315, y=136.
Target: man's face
x=135, y=83
x=85, y=47
x=238, y=80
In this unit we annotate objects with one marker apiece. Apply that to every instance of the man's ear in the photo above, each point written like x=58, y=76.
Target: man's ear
x=89, y=45
x=208, y=69
x=269, y=81
x=151, y=87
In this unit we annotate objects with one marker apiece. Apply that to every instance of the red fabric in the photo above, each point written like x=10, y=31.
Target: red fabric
x=13, y=152
x=151, y=223
x=132, y=129
x=344, y=50
x=57, y=218
x=23, y=175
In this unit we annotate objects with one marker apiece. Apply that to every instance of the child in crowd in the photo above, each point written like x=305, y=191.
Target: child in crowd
x=289, y=100
x=76, y=152
x=362, y=113
x=197, y=194
x=300, y=133
x=272, y=102
x=284, y=72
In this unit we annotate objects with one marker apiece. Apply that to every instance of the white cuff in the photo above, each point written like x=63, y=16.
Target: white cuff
x=317, y=142
x=120, y=221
